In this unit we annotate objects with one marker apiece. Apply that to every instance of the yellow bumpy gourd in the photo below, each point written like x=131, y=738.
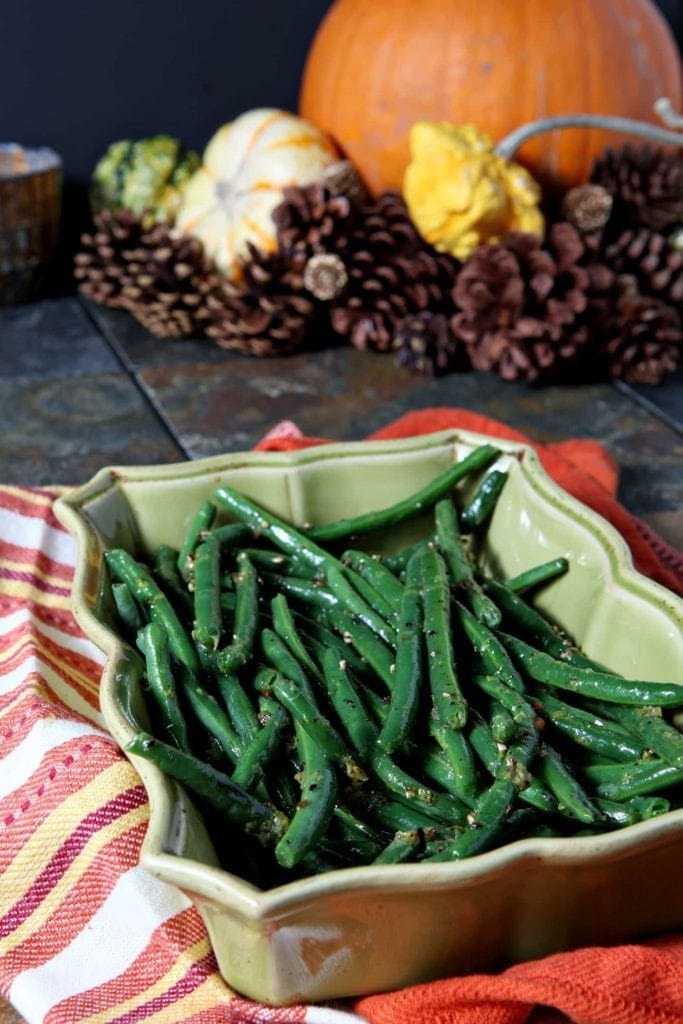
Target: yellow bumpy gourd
x=460, y=193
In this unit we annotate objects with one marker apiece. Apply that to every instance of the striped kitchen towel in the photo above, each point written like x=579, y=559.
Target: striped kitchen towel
x=86, y=935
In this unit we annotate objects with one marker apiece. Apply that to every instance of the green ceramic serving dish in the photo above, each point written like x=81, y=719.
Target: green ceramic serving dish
x=368, y=929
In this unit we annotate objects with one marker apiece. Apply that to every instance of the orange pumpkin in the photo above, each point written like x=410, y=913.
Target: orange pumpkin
x=377, y=66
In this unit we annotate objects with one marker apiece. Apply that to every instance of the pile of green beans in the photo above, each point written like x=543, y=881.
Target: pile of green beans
x=329, y=707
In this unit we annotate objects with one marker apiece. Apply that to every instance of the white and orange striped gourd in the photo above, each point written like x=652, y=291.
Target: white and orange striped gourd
x=246, y=165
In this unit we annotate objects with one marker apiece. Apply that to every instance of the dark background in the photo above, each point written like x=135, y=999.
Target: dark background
x=77, y=75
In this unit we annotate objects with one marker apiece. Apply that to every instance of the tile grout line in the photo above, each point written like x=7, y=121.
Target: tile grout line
x=619, y=385
x=139, y=384
x=627, y=391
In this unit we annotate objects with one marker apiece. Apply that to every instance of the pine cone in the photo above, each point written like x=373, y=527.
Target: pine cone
x=343, y=179
x=391, y=273
x=267, y=313
x=425, y=343
x=100, y=265
x=647, y=256
x=641, y=341
x=165, y=280
x=647, y=186
x=522, y=307
x=325, y=276
x=587, y=207
x=313, y=219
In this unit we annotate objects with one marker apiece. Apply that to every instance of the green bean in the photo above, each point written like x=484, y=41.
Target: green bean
x=489, y=752
x=207, y=594
x=341, y=852
x=402, y=847
x=409, y=659
x=502, y=724
x=348, y=704
x=396, y=816
x=202, y=521
x=377, y=575
x=285, y=627
x=533, y=625
x=492, y=754
x=515, y=764
x=525, y=823
x=482, y=503
x=419, y=502
x=434, y=765
x=308, y=592
x=319, y=637
x=459, y=566
x=230, y=535
x=647, y=725
x=449, y=703
x=350, y=851
x=588, y=731
x=277, y=531
x=570, y=795
x=272, y=561
x=590, y=682
x=355, y=605
x=523, y=713
x=495, y=658
x=370, y=647
x=259, y=753
x=126, y=609
x=305, y=713
x=538, y=575
x=227, y=602
x=647, y=807
x=282, y=772
x=208, y=711
x=404, y=787
x=488, y=822
x=378, y=706
x=349, y=825
x=481, y=835
x=397, y=561
x=239, y=707
x=630, y=812
x=147, y=591
x=623, y=781
x=233, y=657
x=165, y=571
x=315, y=808
x=372, y=597
x=281, y=658
x=459, y=754
x=616, y=814
x=153, y=642
x=256, y=818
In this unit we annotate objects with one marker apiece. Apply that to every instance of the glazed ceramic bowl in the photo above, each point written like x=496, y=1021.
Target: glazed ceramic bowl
x=367, y=929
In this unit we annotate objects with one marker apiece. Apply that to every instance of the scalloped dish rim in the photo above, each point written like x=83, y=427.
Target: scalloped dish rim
x=216, y=884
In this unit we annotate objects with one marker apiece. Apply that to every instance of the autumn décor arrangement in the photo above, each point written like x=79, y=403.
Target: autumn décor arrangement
x=283, y=236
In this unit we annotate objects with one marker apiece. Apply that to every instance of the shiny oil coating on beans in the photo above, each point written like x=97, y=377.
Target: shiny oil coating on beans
x=337, y=708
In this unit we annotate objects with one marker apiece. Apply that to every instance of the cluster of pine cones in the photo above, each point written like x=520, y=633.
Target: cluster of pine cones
x=600, y=297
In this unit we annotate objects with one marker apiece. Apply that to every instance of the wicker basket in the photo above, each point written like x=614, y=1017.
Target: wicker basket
x=30, y=206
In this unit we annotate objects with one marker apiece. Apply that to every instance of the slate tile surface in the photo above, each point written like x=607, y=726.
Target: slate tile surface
x=82, y=386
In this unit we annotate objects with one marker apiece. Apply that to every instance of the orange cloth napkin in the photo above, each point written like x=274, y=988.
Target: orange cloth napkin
x=583, y=467
x=630, y=984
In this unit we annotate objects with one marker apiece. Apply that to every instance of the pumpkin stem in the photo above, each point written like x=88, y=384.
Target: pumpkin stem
x=626, y=125
x=667, y=113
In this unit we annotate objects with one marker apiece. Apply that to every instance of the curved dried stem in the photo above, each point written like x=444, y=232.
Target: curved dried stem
x=670, y=136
